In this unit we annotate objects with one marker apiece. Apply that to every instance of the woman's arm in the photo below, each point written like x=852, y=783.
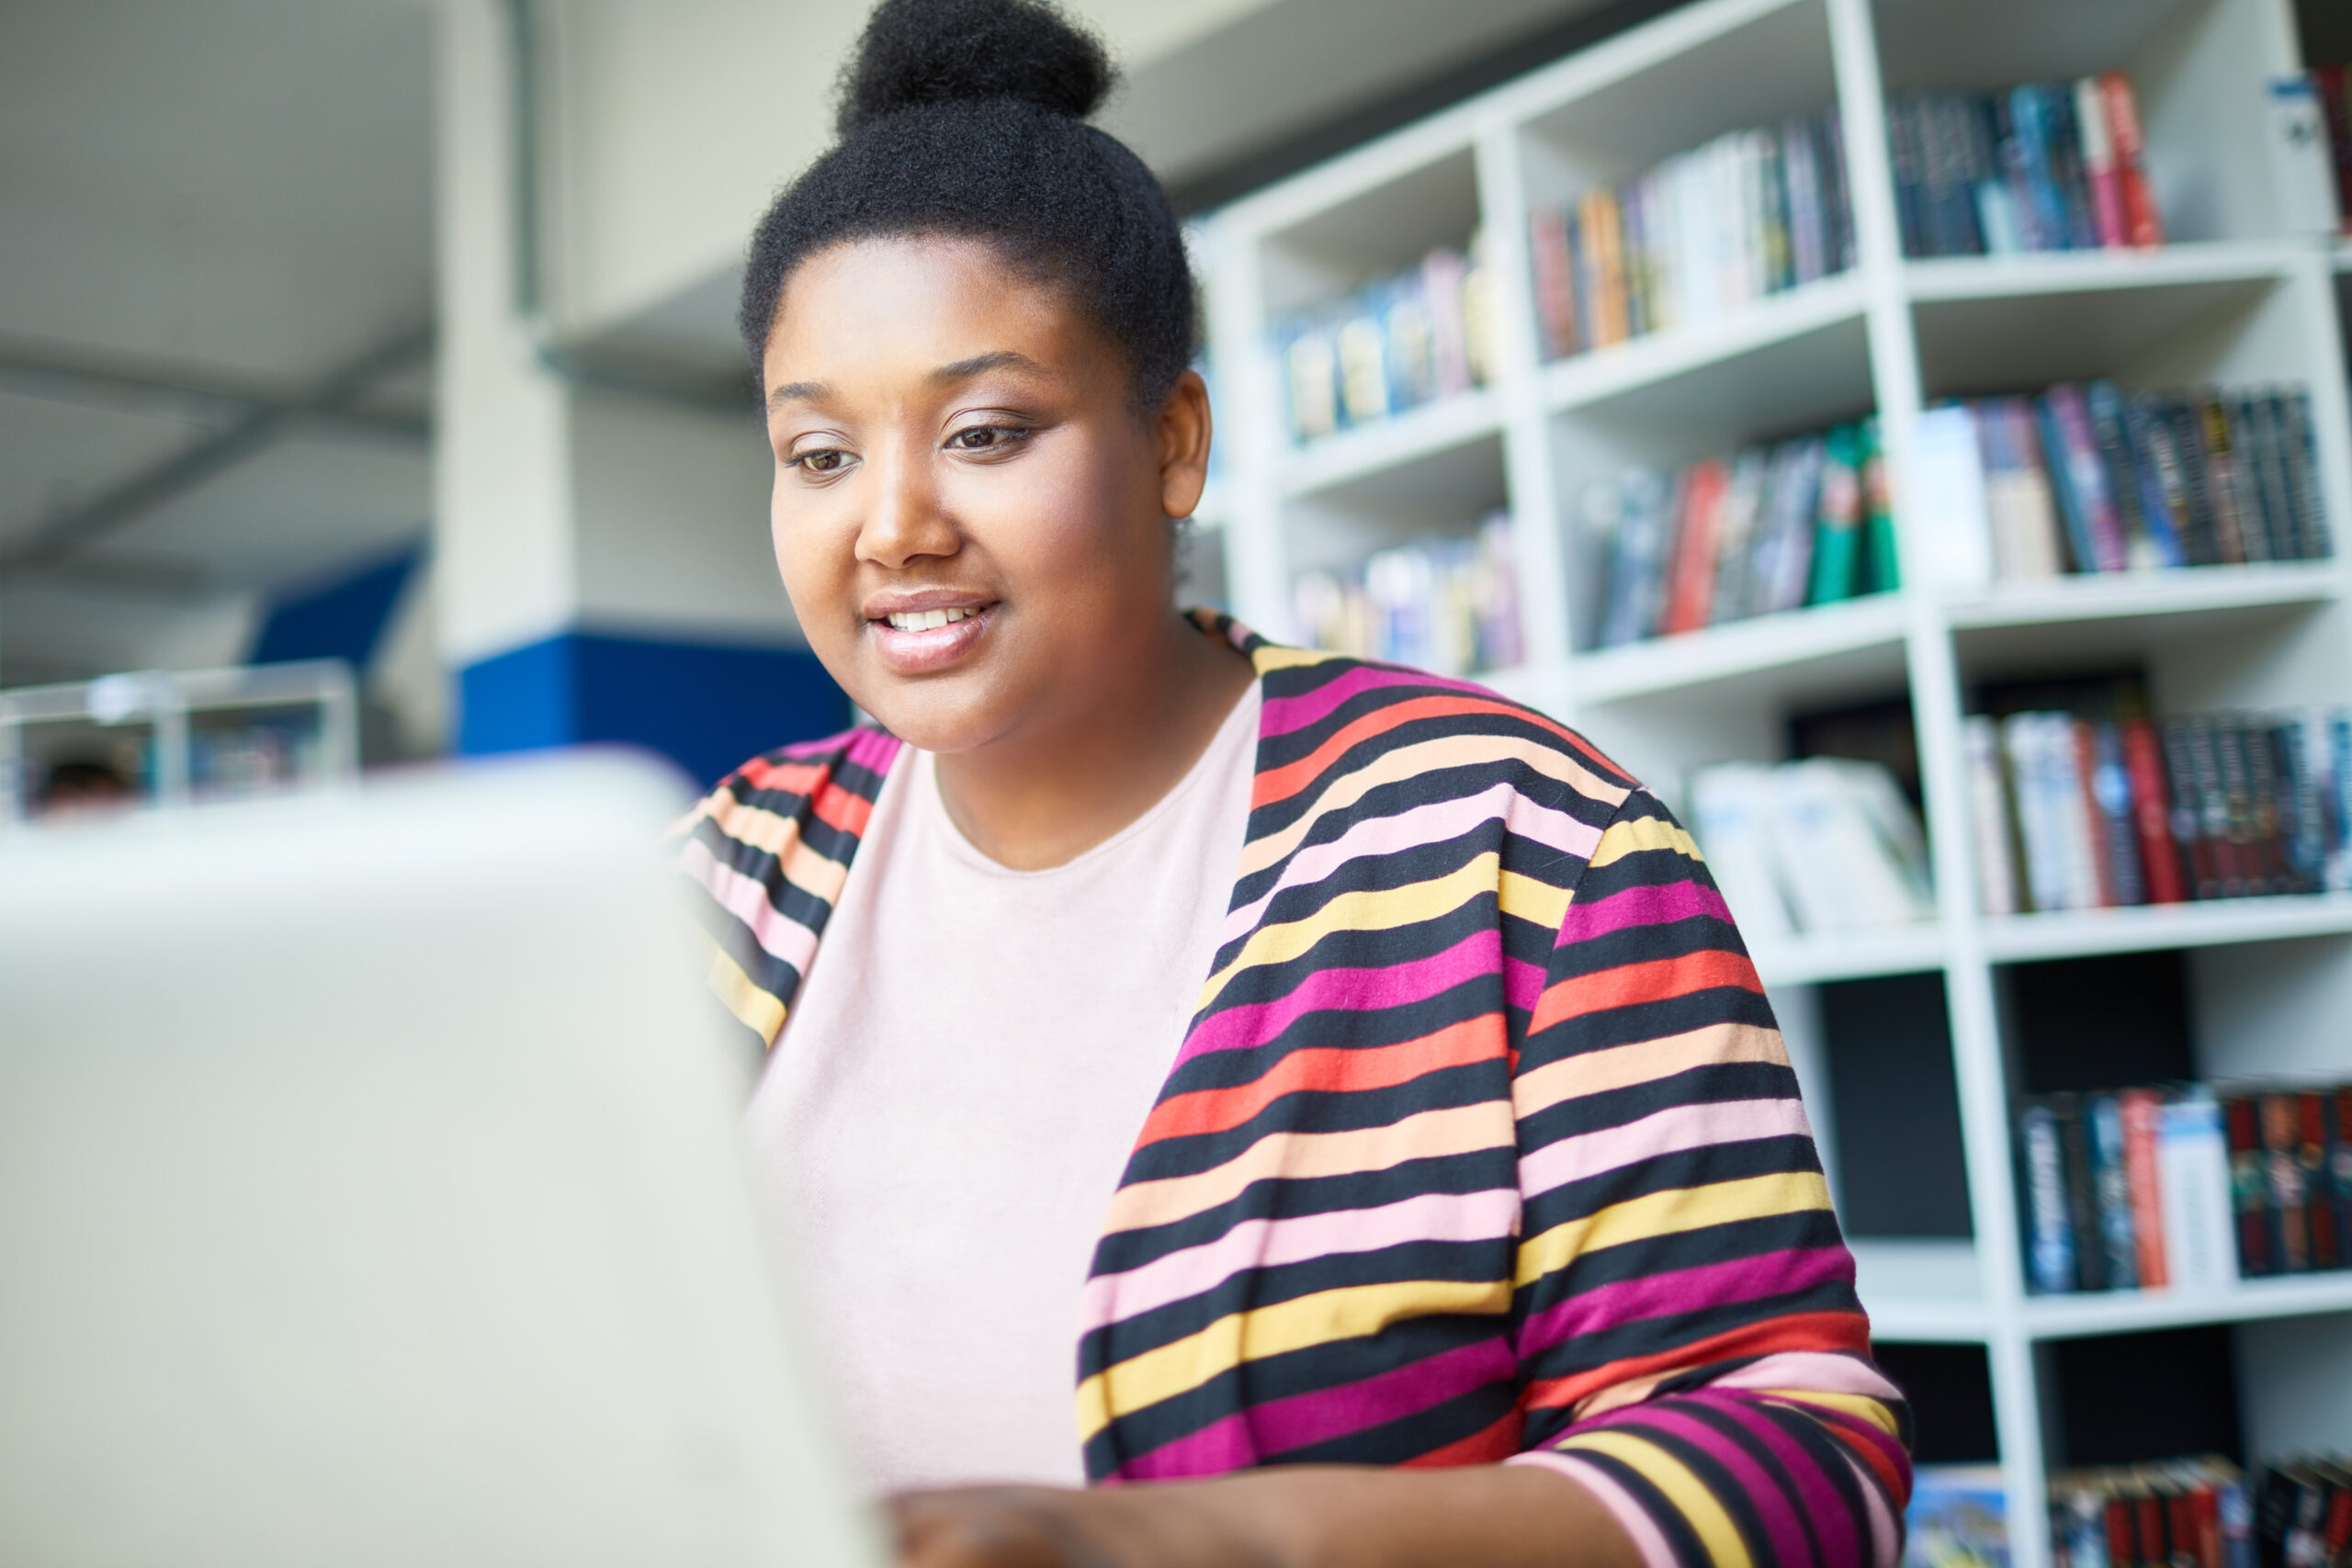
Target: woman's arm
x=1301, y=1517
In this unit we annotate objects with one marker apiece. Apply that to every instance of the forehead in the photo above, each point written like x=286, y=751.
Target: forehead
x=928, y=297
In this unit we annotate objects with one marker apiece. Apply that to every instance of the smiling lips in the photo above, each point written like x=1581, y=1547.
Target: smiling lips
x=918, y=641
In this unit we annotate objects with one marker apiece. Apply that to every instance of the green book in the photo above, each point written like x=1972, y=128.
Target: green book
x=1880, y=573
x=1838, y=520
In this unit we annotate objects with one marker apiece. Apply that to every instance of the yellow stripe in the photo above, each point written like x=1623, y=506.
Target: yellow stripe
x=1418, y=760
x=1272, y=656
x=1631, y=836
x=1668, y=1213
x=1349, y=1313
x=1525, y=898
x=1372, y=909
x=1427, y=1134
x=1862, y=1406
x=1689, y=1496
x=1644, y=1061
x=759, y=1011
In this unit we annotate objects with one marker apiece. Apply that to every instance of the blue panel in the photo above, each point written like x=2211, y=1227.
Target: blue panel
x=706, y=706
x=344, y=621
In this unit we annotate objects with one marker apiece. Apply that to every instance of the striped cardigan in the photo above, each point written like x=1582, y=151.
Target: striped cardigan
x=1482, y=1144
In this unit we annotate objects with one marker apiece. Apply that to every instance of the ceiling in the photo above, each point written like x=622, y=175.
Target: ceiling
x=217, y=211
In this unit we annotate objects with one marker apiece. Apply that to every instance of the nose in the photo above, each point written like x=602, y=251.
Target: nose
x=904, y=521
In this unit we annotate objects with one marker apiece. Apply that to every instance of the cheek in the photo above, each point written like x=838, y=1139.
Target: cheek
x=1059, y=520
x=813, y=560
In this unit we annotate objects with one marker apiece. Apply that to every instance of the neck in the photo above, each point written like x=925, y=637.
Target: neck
x=1047, y=794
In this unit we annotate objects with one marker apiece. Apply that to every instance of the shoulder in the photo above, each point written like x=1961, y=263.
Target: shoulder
x=816, y=793
x=1328, y=719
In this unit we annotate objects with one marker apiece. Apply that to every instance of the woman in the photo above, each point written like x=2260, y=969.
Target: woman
x=1459, y=1205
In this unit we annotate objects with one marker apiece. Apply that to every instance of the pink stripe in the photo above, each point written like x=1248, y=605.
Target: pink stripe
x=777, y=934
x=1817, y=1369
x=1641, y=907
x=1630, y=1516
x=1348, y=991
x=1266, y=1244
x=1522, y=984
x=1249, y=1434
x=1815, y=1495
x=1884, y=1533
x=1434, y=823
x=873, y=748
x=1604, y=1307
x=1664, y=1131
x=1790, y=1547
x=1281, y=715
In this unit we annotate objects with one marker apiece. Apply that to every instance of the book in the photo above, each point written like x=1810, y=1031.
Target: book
x=1837, y=528
x=2143, y=226
x=2193, y=1175
x=2146, y=1182
x=1450, y=606
x=2285, y=1194
x=1880, y=571
x=2111, y=1191
x=1997, y=889
x=2098, y=164
x=2302, y=163
x=2249, y=1186
x=2153, y=814
x=1957, y=1517
x=2049, y=1242
x=1399, y=341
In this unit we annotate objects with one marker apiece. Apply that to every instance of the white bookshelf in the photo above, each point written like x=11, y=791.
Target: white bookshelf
x=2232, y=297
x=153, y=726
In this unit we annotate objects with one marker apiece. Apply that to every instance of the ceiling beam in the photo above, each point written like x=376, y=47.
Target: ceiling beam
x=77, y=375
x=61, y=535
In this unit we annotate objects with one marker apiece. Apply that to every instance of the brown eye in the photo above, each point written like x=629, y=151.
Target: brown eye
x=825, y=461
x=977, y=439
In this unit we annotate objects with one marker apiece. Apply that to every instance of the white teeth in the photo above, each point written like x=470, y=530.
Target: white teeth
x=925, y=620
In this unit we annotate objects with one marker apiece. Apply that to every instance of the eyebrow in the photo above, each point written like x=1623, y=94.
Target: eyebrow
x=961, y=370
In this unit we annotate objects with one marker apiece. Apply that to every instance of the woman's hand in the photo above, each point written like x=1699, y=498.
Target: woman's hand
x=1317, y=1517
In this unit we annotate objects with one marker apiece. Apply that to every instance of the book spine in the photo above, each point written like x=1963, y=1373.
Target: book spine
x=2066, y=164
x=2298, y=440
x=2021, y=744
x=2082, y=553
x=2196, y=779
x=2151, y=813
x=2111, y=1186
x=2194, y=1173
x=1838, y=523
x=1556, y=293
x=2105, y=404
x=2339, y=800
x=2329, y=80
x=2140, y=1106
x=1693, y=573
x=2263, y=829
x=2082, y=1197
x=2123, y=876
x=2235, y=537
x=2319, y=1211
x=2143, y=225
x=2098, y=162
x=2202, y=539
x=1881, y=571
x=2249, y=1186
x=1443, y=274
x=1904, y=156
x=2162, y=500
x=1996, y=883
x=2049, y=1245
x=2339, y=1168
x=2265, y=484
x=2300, y=799
x=2086, y=476
x=2283, y=1171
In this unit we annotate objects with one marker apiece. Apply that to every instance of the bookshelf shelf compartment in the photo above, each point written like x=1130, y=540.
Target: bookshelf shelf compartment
x=1369, y=450
x=2020, y=939
x=1781, y=363
x=2126, y=1312
x=1820, y=653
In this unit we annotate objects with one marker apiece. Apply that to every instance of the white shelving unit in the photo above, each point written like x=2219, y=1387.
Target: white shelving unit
x=159, y=721
x=2233, y=297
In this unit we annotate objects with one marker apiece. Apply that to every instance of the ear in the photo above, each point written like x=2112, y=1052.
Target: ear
x=1181, y=427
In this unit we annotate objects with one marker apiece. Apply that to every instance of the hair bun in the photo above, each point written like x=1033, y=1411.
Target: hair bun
x=915, y=52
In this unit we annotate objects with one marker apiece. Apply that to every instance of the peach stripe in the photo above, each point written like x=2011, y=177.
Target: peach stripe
x=1644, y=1061
x=781, y=936
x=1666, y=1131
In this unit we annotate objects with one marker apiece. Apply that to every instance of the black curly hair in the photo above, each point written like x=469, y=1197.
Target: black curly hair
x=966, y=119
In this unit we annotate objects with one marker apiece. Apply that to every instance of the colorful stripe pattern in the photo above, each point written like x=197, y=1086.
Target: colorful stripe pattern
x=1482, y=1146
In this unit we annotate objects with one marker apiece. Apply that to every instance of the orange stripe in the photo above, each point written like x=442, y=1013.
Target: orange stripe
x=798, y=778
x=1281, y=784
x=843, y=808
x=1494, y=1445
x=1652, y=980
x=1791, y=1331
x=1325, y=1069
x=1895, y=1478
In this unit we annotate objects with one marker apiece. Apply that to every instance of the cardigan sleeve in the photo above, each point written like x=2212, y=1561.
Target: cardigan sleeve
x=1691, y=1346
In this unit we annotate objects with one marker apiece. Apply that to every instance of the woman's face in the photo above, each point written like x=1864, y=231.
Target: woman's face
x=970, y=517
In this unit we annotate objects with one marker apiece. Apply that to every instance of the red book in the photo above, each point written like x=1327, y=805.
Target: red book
x=1690, y=599
x=2121, y=1550
x=2151, y=1509
x=2139, y=1107
x=2311, y=1155
x=2151, y=813
x=1556, y=281
x=2213, y=1549
x=2098, y=162
x=2334, y=82
x=2141, y=220
x=2290, y=1233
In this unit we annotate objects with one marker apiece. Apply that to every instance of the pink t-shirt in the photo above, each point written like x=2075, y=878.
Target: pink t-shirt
x=947, y=1116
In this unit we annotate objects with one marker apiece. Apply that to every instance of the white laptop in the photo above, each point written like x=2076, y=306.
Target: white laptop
x=370, y=1194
